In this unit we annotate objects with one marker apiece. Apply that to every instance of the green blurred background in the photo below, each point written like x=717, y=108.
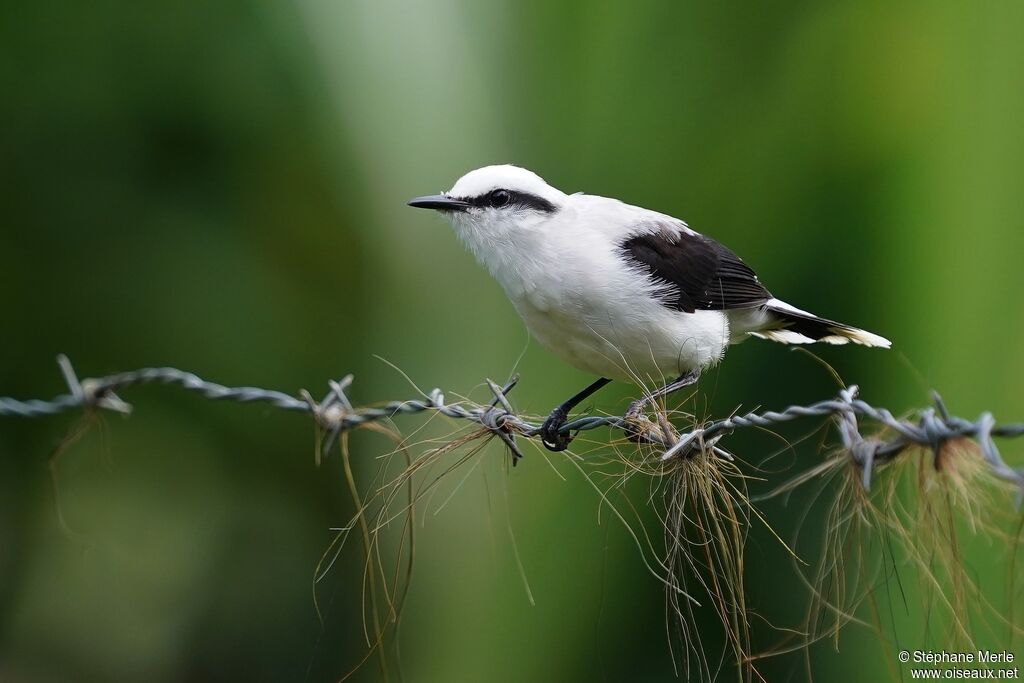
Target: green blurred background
x=221, y=187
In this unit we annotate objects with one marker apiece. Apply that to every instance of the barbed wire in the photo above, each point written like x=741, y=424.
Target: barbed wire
x=929, y=428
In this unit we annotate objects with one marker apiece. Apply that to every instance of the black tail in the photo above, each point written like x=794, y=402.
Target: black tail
x=793, y=326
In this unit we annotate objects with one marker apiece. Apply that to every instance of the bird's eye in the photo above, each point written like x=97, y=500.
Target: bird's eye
x=499, y=198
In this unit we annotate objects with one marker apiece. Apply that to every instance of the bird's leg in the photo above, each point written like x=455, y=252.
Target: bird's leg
x=684, y=380
x=549, y=431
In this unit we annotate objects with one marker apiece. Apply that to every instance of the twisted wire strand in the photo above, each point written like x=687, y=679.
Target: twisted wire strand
x=930, y=427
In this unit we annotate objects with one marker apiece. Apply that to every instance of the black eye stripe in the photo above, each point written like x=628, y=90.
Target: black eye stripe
x=500, y=197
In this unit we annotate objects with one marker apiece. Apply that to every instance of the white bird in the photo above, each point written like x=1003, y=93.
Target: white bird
x=616, y=290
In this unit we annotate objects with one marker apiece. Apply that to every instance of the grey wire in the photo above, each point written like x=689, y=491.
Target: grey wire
x=931, y=427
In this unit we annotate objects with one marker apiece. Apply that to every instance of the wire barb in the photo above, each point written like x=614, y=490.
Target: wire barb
x=496, y=419
x=929, y=428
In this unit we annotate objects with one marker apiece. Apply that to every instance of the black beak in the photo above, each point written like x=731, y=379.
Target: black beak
x=439, y=202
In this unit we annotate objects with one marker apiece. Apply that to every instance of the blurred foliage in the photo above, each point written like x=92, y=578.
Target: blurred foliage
x=221, y=187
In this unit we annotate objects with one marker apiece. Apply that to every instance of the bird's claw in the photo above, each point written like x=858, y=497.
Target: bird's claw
x=637, y=426
x=641, y=430
x=638, y=429
x=550, y=432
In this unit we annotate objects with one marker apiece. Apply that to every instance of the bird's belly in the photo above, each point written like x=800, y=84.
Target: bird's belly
x=637, y=342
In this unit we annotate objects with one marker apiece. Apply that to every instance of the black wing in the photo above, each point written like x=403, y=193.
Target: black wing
x=702, y=273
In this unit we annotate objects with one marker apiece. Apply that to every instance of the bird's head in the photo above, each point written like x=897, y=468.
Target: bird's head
x=495, y=202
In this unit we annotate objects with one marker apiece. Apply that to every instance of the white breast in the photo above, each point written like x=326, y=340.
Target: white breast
x=583, y=302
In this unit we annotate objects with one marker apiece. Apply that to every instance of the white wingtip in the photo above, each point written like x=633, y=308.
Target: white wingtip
x=865, y=338
x=783, y=336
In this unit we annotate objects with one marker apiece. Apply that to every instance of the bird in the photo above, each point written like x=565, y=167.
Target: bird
x=618, y=291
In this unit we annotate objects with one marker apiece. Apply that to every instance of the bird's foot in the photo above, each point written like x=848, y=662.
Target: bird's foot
x=641, y=429
x=550, y=431
x=637, y=426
